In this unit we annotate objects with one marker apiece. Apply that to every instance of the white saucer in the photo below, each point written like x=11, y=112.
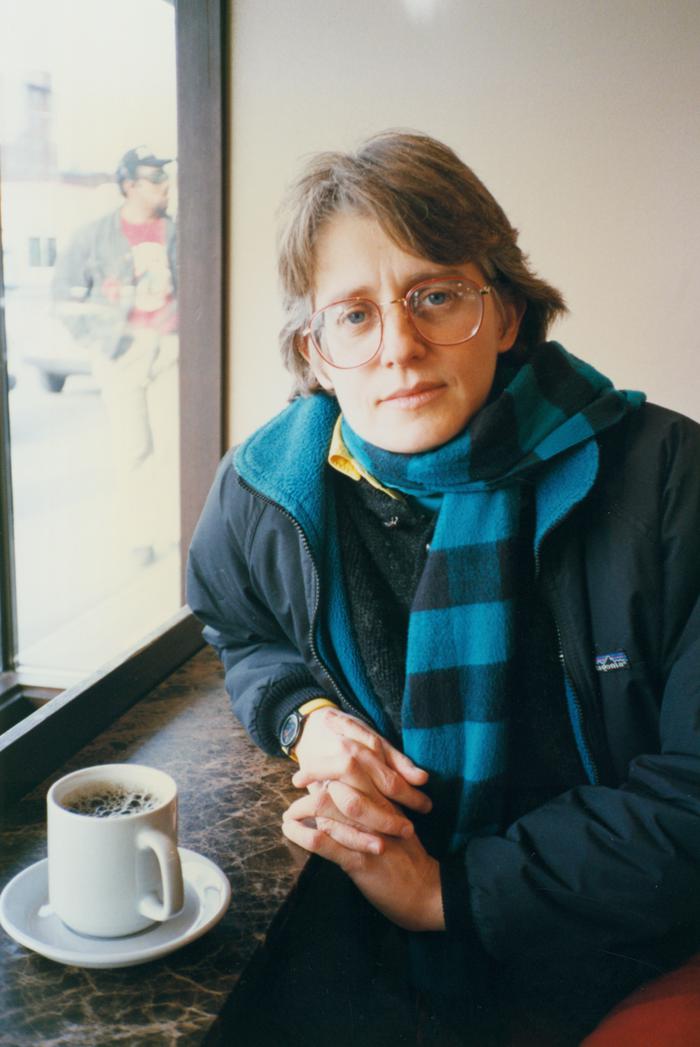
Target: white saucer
x=27, y=917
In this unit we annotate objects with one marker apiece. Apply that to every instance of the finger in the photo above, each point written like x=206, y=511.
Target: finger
x=343, y=803
x=308, y=806
x=350, y=837
x=404, y=765
x=307, y=810
x=391, y=784
x=353, y=728
x=357, y=766
x=304, y=779
x=314, y=840
x=370, y=814
x=345, y=765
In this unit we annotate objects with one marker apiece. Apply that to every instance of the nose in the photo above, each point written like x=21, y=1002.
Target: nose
x=401, y=343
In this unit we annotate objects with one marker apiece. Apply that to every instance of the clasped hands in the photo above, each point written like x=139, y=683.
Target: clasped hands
x=352, y=815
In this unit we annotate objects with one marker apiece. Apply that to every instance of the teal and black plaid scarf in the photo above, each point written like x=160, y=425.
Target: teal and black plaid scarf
x=539, y=424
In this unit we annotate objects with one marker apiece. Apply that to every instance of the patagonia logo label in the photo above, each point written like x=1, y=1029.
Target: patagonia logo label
x=605, y=663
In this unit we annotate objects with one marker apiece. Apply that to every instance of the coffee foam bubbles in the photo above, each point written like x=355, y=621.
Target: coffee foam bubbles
x=110, y=800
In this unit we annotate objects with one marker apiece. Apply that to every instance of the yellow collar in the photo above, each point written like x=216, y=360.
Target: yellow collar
x=340, y=458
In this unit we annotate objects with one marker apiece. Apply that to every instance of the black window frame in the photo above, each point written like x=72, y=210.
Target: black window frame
x=39, y=743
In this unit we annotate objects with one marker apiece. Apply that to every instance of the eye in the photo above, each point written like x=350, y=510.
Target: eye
x=355, y=315
x=435, y=297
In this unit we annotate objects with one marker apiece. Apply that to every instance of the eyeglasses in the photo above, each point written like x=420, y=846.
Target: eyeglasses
x=156, y=177
x=444, y=311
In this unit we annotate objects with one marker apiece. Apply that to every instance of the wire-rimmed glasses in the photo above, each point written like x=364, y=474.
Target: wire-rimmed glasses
x=444, y=311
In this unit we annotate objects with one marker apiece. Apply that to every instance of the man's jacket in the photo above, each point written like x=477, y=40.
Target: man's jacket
x=612, y=864
x=94, y=286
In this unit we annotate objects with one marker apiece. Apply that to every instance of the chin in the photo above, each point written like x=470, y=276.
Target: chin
x=414, y=433
x=414, y=442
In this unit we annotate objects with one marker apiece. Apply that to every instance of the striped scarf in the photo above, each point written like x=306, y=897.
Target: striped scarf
x=460, y=661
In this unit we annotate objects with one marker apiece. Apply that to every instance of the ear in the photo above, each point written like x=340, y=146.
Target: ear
x=318, y=367
x=510, y=317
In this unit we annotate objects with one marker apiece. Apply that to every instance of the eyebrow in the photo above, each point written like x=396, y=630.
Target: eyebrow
x=364, y=291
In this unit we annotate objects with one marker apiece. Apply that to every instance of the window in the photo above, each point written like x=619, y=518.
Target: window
x=46, y=681
x=42, y=251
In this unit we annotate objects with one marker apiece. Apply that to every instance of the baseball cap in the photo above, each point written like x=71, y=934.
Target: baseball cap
x=140, y=156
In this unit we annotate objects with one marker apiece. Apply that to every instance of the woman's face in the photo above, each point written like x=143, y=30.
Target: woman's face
x=412, y=396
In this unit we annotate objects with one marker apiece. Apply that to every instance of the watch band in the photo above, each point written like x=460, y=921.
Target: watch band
x=294, y=723
x=314, y=704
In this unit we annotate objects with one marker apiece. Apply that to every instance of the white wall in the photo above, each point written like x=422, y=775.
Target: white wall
x=581, y=116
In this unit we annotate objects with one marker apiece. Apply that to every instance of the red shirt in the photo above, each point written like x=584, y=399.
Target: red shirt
x=154, y=300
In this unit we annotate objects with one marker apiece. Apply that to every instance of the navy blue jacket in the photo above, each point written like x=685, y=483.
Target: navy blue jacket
x=614, y=864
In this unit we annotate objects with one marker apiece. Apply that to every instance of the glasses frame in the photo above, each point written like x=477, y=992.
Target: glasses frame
x=155, y=179
x=403, y=300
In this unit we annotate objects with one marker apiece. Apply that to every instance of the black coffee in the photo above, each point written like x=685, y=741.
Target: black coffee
x=110, y=800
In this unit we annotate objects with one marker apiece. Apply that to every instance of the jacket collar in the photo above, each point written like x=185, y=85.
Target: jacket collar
x=284, y=460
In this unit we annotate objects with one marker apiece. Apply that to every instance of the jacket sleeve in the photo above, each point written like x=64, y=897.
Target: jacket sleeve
x=233, y=579
x=602, y=868
x=72, y=286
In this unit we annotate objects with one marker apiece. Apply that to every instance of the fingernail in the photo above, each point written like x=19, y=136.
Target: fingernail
x=375, y=848
x=407, y=830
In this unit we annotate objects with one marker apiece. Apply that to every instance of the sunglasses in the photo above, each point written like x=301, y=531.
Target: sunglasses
x=156, y=177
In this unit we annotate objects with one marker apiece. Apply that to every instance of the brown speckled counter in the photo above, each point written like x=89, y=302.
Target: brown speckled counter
x=231, y=801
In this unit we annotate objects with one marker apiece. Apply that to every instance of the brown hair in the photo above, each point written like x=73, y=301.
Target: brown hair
x=429, y=203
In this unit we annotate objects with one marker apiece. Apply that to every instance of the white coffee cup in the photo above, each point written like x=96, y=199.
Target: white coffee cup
x=117, y=870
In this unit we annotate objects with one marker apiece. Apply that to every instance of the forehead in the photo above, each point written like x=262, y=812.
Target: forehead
x=349, y=238
x=354, y=255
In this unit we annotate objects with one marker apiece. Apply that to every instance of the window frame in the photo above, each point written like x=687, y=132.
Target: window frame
x=38, y=744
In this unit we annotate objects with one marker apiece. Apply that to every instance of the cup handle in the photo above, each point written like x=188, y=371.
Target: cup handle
x=170, y=874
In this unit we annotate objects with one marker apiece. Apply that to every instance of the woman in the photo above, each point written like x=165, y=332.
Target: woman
x=456, y=581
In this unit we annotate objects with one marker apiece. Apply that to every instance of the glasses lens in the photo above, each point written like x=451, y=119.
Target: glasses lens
x=347, y=334
x=156, y=177
x=446, y=312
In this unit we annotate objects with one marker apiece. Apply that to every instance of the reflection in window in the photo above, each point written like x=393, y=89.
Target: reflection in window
x=90, y=296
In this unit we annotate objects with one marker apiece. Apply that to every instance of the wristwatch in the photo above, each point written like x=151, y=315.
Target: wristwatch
x=293, y=725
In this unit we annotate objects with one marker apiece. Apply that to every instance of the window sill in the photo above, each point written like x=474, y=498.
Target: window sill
x=34, y=747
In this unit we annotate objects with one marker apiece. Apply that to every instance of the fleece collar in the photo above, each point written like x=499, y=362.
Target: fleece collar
x=284, y=461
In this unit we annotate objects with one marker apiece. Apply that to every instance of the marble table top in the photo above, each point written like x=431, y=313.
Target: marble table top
x=231, y=801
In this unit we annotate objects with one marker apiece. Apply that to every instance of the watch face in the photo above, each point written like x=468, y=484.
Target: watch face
x=290, y=730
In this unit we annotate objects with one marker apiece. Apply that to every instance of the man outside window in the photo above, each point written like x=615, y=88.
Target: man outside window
x=115, y=289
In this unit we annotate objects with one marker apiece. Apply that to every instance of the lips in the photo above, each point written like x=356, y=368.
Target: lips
x=414, y=395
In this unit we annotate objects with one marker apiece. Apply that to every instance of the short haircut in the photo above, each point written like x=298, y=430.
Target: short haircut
x=429, y=203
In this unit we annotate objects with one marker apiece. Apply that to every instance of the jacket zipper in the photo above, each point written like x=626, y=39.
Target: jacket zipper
x=575, y=705
x=576, y=715
x=344, y=701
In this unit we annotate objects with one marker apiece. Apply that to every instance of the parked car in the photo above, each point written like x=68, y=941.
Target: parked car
x=57, y=358
x=37, y=338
